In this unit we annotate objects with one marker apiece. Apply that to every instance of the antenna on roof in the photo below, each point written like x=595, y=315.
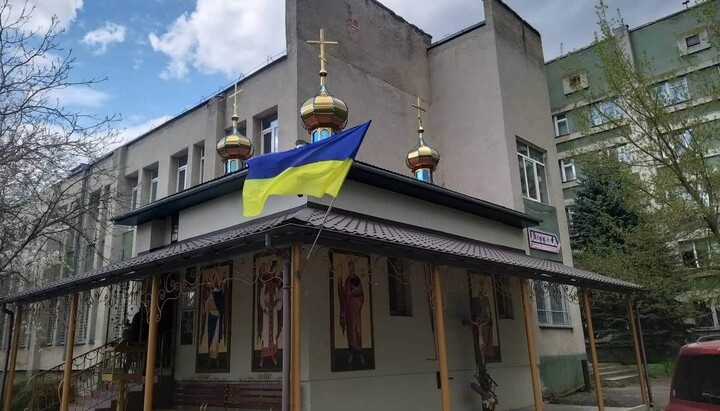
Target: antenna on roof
x=685, y=3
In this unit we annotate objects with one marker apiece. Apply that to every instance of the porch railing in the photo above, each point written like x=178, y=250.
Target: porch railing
x=44, y=388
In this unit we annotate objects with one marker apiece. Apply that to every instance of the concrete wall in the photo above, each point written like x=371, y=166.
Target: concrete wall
x=379, y=69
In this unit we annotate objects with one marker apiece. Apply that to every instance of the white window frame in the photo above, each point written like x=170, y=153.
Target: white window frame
x=546, y=314
x=134, y=191
x=561, y=119
x=181, y=183
x=673, y=91
x=564, y=165
x=605, y=111
x=154, y=175
x=523, y=160
x=272, y=132
x=202, y=164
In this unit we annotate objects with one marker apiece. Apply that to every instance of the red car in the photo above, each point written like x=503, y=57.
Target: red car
x=696, y=381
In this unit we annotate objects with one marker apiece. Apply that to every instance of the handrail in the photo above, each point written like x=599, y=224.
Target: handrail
x=39, y=386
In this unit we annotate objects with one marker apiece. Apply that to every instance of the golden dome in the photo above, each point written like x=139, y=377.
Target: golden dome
x=235, y=146
x=324, y=112
x=422, y=156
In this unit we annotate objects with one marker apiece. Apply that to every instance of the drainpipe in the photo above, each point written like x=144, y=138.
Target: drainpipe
x=10, y=314
x=286, y=335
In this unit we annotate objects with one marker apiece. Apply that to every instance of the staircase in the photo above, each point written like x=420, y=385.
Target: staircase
x=615, y=374
x=99, y=377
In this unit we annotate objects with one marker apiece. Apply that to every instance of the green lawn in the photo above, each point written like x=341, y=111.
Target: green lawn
x=661, y=369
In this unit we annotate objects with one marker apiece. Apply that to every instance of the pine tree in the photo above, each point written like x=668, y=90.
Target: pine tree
x=615, y=234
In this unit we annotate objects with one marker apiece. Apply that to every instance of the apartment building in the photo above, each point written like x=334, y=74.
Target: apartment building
x=680, y=56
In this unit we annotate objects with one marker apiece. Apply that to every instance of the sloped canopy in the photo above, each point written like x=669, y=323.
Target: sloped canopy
x=341, y=230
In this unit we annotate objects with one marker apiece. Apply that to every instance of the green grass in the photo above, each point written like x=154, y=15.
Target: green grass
x=661, y=369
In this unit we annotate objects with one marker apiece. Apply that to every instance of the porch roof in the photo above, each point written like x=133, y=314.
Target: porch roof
x=341, y=230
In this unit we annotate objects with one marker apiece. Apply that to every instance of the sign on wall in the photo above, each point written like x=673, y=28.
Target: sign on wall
x=352, y=345
x=543, y=241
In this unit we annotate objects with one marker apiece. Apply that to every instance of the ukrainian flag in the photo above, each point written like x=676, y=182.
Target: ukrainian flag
x=315, y=169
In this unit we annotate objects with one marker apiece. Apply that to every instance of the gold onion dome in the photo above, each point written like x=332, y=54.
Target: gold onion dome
x=324, y=114
x=235, y=145
x=422, y=157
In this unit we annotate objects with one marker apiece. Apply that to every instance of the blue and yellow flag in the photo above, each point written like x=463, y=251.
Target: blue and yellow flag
x=315, y=169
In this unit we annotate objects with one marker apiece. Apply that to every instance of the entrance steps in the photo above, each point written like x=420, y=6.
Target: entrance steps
x=615, y=374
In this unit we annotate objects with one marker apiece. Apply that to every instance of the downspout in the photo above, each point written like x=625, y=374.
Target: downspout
x=286, y=335
x=11, y=314
x=287, y=315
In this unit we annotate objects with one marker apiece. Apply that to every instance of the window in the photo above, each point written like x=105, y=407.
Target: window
x=697, y=379
x=83, y=317
x=47, y=323
x=551, y=304
x=270, y=134
x=561, y=125
x=604, y=112
x=672, y=91
x=623, y=153
x=399, y=288
x=153, y=184
x=182, y=163
x=570, y=215
x=695, y=253
x=532, y=173
x=202, y=164
x=567, y=170
x=692, y=41
x=89, y=258
x=133, y=193
x=174, y=227
x=63, y=315
x=574, y=82
x=127, y=245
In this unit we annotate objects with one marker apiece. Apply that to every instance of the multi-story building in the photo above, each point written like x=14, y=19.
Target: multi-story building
x=677, y=51
x=486, y=98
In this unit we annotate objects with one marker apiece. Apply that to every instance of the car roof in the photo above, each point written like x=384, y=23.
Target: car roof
x=701, y=348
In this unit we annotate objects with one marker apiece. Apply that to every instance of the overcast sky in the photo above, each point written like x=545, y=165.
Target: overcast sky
x=567, y=22
x=162, y=56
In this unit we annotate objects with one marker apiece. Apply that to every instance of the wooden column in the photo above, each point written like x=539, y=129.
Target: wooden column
x=13, y=358
x=295, y=356
x=593, y=350
x=440, y=335
x=69, y=346
x=532, y=350
x=636, y=346
x=151, y=343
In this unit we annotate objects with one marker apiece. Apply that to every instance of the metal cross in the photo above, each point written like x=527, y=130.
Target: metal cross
x=322, y=42
x=420, y=110
x=234, y=97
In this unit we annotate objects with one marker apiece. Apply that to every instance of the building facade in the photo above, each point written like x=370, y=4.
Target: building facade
x=486, y=98
x=677, y=51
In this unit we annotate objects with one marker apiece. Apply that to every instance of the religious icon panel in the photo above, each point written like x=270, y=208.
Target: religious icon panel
x=352, y=345
x=267, y=314
x=483, y=318
x=213, y=343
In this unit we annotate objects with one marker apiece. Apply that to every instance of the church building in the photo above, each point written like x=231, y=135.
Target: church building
x=439, y=278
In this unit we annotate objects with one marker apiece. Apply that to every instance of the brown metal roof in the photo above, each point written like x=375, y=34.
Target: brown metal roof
x=380, y=236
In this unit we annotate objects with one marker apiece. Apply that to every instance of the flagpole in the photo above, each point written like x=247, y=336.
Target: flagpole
x=317, y=237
